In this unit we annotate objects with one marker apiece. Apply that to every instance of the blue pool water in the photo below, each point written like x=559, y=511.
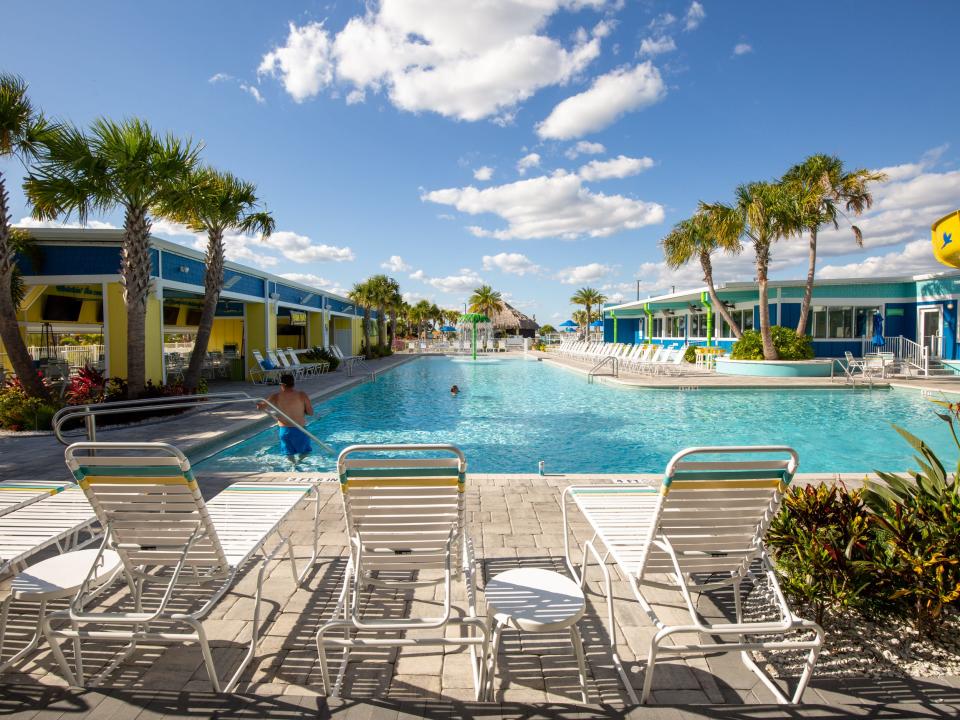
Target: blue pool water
x=512, y=413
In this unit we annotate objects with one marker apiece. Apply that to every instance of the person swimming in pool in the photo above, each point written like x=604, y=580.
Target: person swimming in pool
x=294, y=442
x=454, y=391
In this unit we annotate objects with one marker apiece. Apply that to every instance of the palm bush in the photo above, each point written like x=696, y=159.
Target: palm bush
x=788, y=345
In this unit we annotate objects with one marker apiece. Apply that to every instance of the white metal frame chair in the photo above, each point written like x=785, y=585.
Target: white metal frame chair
x=261, y=375
x=156, y=520
x=16, y=494
x=405, y=513
x=707, y=520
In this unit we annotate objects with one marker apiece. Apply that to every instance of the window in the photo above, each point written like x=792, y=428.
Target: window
x=674, y=326
x=743, y=318
x=838, y=323
x=657, y=327
x=698, y=325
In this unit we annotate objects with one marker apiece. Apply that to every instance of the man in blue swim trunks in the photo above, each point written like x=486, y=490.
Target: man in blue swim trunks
x=294, y=443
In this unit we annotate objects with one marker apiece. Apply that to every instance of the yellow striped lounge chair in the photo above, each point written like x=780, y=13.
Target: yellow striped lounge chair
x=167, y=537
x=16, y=494
x=702, y=529
x=405, y=512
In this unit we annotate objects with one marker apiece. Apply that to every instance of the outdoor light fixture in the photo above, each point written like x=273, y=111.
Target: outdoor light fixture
x=231, y=282
x=274, y=296
x=184, y=269
x=307, y=298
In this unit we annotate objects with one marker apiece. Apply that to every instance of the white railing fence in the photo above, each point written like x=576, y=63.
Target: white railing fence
x=904, y=350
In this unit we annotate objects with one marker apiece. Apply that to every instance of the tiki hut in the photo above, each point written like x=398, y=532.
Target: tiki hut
x=511, y=321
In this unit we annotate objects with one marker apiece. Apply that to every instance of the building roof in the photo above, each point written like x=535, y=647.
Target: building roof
x=512, y=319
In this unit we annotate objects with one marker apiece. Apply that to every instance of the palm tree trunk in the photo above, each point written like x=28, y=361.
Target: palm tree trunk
x=392, y=328
x=13, y=343
x=135, y=277
x=766, y=336
x=808, y=290
x=381, y=326
x=588, y=322
x=212, y=285
x=715, y=299
x=366, y=333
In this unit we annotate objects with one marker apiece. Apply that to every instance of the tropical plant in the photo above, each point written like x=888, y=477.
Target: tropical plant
x=363, y=297
x=710, y=229
x=821, y=542
x=588, y=297
x=918, y=521
x=22, y=245
x=580, y=318
x=24, y=134
x=816, y=188
x=486, y=301
x=123, y=164
x=213, y=202
x=786, y=342
x=547, y=329
x=451, y=317
x=383, y=291
x=395, y=306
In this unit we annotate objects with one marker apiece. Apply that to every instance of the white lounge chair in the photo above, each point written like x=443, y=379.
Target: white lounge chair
x=156, y=520
x=310, y=369
x=15, y=494
x=702, y=530
x=405, y=513
x=265, y=372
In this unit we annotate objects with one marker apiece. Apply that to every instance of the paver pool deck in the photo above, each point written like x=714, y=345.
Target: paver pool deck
x=515, y=522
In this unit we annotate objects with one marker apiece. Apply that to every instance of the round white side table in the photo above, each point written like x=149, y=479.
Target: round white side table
x=535, y=600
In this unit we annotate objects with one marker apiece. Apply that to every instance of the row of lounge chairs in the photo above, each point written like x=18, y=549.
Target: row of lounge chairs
x=407, y=526
x=650, y=359
x=278, y=362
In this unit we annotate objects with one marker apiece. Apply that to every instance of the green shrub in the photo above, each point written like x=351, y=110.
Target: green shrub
x=690, y=355
x=19, y=411
x=319, y=354
x=820, y=541
x=789, y=345
x=917, y=519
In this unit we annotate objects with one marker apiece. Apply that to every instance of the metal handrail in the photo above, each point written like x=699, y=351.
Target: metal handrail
x=90, y=412
x=612, y=360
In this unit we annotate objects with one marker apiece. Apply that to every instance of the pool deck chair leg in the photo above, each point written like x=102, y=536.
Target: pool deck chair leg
x=707, y=520
x=405, y=513
x=169, y=538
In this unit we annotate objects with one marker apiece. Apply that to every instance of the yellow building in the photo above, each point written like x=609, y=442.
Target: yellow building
x=74, y=309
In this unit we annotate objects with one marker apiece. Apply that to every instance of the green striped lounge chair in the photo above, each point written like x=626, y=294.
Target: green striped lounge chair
x=16, y=494
x=170, y=540
x=702, y=529
x=405, y=512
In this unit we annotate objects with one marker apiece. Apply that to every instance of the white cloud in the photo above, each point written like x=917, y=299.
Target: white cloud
x=695, y=15
x=915, y=258
x=463, y=282
x=300, y=248
x=651, y=47
x=483, y=173
x=29, y=222
x=316, y=281
x=583, y=273
x=528, y=161
x=355, y=97
x=510, y=263
x=742, y=49
x=550, y=206
x=609, y=97
x=219, y=77
x=619, y=167
x=460, y=58
x=253, y=92
x=303, y=62
x=585, y=147
x=396, y=265
x=662, y=21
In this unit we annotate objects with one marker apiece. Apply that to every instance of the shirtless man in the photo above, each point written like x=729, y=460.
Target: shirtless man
x=294, y=443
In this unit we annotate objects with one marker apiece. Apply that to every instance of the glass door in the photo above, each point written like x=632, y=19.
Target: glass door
x=930, y=332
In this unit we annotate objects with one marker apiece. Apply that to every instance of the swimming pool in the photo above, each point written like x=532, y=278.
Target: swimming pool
x=512, y=413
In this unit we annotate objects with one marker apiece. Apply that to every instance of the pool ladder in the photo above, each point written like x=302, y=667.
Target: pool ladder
x=211, y=401
x=848, y=377
x=610, y=362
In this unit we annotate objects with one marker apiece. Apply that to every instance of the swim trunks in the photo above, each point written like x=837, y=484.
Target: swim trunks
x=293, y=441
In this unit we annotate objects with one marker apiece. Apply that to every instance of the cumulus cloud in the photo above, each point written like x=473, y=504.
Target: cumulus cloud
x=663, y=21
x=510, y=263
x=301, y=248
x=585, y=147
x=29, y=222
x=610, y=96
x=914, y=259
x=531, y=160
x=549, y=206
x=219, y=77
x=483, y=173
x=742, y=49
x=396, y=265
x=303, y=63
x=651, y=47
x=459, y=58
x=316, y=281
x=695, y=15
x=462, y=282
x=581, y=274
x=619, y=167
x=253, y=92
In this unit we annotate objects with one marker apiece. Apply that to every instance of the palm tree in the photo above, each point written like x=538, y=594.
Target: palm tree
x=213, y=202
x=816, y=188
x=362, y=296
x=588, y=297
x=121, y=164
x=420, y=315
x=395, y=305
x=699, y=237
x=580, y=318
x=24, y=133
x=451, y=317
x=383, y=290
x=486, y=301
x=760, y=214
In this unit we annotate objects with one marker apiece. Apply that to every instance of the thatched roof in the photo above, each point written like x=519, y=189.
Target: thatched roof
x=512, y=320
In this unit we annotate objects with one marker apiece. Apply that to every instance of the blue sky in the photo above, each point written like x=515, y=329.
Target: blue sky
x=536, y=145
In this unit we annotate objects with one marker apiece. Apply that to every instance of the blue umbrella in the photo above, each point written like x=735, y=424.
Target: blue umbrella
x=597, y=323
x=878, y=340
x=569, y=328
x=448, y=328
x=568, y=324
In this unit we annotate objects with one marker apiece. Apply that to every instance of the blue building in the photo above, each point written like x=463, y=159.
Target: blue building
x=915, y=309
